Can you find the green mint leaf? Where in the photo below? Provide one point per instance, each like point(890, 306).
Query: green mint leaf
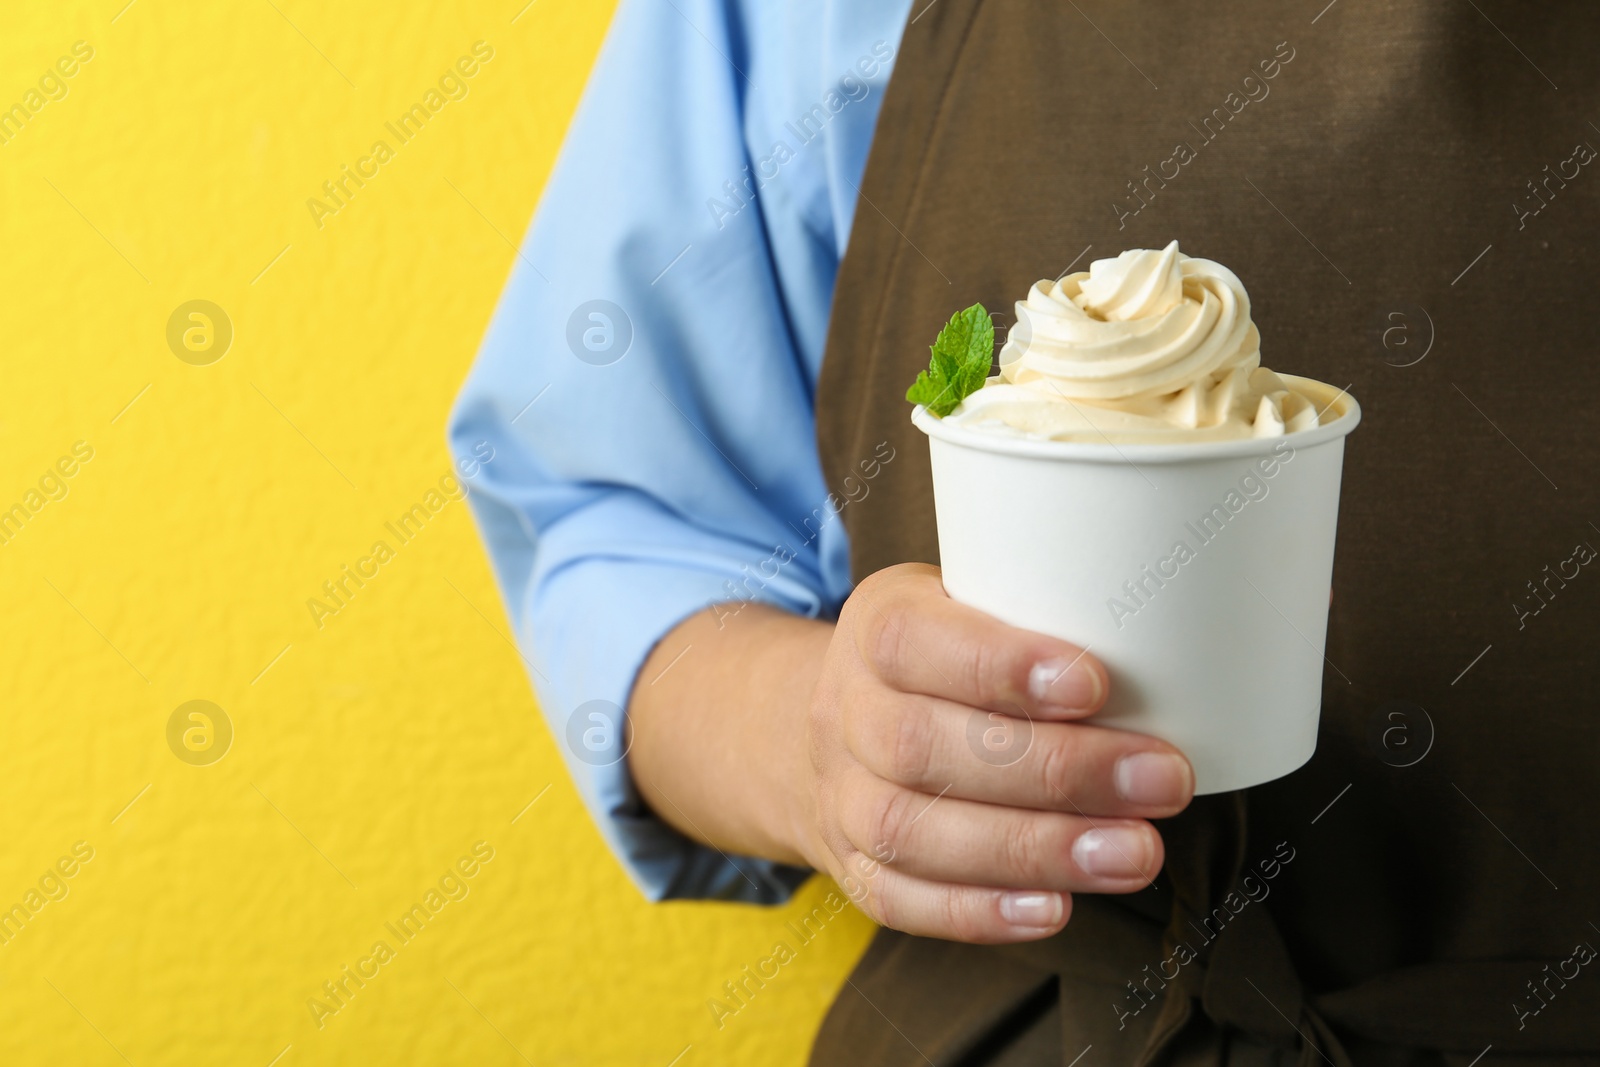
point(931, 392)
point(960, 361)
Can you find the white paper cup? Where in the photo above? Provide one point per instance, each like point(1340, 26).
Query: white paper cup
point(1218, 650)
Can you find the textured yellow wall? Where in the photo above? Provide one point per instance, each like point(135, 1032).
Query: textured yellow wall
point(370, 756)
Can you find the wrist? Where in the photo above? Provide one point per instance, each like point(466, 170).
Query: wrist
point(793, 822)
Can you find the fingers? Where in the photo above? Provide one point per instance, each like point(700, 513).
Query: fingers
point(962, 771)
point(917, 640)
point(933, 746)
point(975, 914)
point(941, 839)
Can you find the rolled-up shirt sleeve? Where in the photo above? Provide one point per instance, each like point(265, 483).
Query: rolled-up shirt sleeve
point(639, 424)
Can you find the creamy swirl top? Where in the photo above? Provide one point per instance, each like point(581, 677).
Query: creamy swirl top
point(1149, 346)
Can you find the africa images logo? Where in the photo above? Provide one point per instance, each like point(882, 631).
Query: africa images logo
point(1142, 588)
point(452, 85)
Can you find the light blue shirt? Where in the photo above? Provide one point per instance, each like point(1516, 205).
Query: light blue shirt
point(648, 381)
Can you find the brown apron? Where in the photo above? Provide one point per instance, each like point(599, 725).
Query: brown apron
point(1410, 194)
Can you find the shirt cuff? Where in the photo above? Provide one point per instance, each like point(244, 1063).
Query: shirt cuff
point(594, 622)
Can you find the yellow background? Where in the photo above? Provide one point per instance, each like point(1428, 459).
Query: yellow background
point(372, 753)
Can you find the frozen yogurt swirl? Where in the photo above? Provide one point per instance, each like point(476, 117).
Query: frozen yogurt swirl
point(1151, 345)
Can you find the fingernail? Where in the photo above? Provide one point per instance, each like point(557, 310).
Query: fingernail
point(1031, 909)
point(1067, 684)
point(1158, 779)
point(1114, 852)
